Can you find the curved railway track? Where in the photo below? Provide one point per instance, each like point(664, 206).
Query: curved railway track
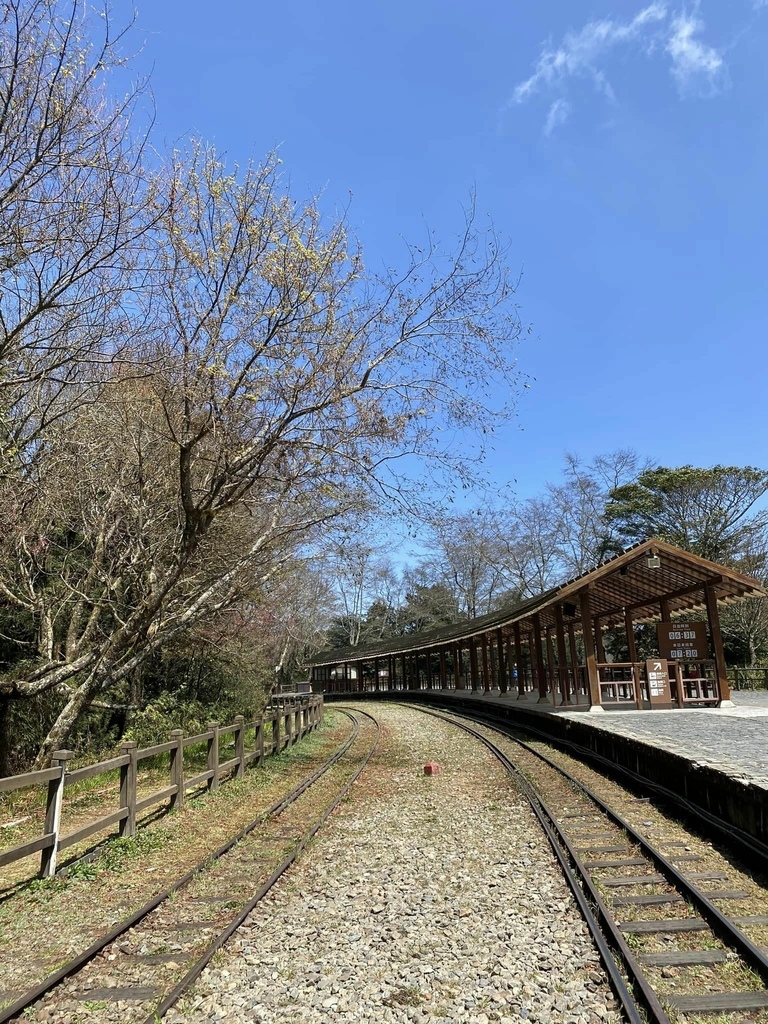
point(223, 881)
point(655, 924)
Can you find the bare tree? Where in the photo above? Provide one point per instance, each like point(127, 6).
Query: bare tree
point(74, 209)
point(284, 384)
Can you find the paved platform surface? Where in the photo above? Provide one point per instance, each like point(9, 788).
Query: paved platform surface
point(732, 740)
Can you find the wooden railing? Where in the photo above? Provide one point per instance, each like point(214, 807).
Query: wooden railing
point(620, 682)
point(290, 718)
point(748, 678)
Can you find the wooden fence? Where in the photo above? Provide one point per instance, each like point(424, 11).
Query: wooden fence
point(748, 678)
point(290, 718)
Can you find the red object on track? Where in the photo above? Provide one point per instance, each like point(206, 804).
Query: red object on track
point(431, 768)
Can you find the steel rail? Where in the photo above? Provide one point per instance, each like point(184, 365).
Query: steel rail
point(735, 837)
point(719, 922)
point(598, 923)
point(90, 952)
point(199, 966)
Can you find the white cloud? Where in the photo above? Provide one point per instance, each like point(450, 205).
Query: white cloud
point(558, 114)
point(653, 29)
point(693, 62)
point(579, 51)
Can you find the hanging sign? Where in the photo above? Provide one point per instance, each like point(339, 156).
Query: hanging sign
point(657, 674)
point(683, 641)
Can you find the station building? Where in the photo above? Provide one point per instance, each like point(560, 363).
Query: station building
point(550, 649)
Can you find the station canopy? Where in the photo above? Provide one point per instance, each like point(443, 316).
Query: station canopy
point(636, 581)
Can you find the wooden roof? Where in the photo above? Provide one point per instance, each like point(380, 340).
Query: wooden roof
point(623, 582)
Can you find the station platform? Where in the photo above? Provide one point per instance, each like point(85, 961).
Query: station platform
point(731, 740)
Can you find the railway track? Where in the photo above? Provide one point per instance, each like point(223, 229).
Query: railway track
point(149, 960)
point(673, 915)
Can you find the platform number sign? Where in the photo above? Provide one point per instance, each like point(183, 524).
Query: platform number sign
point(657, 674)
point(683, 641)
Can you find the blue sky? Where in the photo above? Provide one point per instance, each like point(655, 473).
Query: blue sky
point(620, 147)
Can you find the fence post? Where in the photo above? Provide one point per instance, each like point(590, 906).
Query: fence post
point(288, 728)
point(260, 741)
point(275, 732)
point(240, 746)
point(128, 773)
point(213, 755)
point(177, 769)
point(53, 813)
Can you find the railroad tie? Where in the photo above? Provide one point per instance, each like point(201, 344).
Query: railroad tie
point(186, 926)
point(680, 924)
point(134, 993)
point(602, 849)
point(159, 958)
point(683, 958)
point(630, 862)
point(723, 1002)
point(659, 900)
point(633, 880)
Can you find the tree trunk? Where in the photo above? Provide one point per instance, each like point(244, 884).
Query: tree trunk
point(6, 767)
point(61, 729)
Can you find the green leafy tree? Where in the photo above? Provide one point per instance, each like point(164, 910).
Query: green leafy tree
point(709, 512)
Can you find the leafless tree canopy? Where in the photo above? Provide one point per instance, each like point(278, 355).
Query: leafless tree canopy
point(197, 372)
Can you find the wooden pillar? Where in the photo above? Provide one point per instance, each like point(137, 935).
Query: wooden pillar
point(562, 660)
point(502, 677)
point(376, 675)
point(359, 680)
point(519, 661)
point(593, 678)
point(345, 678)
point(632, 647)
point(473, 663)
point(403, 673)
point(664, 610)
point(574, 661)
point(486, 669)
point(443, 670)
point(457, 666)
point(716, 640)
point(551, 669)
point(509, 679)
point(538, 658)
point(599, 649)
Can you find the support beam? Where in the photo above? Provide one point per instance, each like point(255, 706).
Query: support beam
point(443, 670)
point(574, 661)
point(562, 659)
point(473, 673)
point(716, 640)
point(457, 667)
point(552, 670)
point(593, 679)
point(599, 649)
point(629, 629)
point(519, 661)
point(538, 659)
point(486, 667)
point(501, 674)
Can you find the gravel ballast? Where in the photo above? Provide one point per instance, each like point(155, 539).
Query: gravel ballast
point(423, 898)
